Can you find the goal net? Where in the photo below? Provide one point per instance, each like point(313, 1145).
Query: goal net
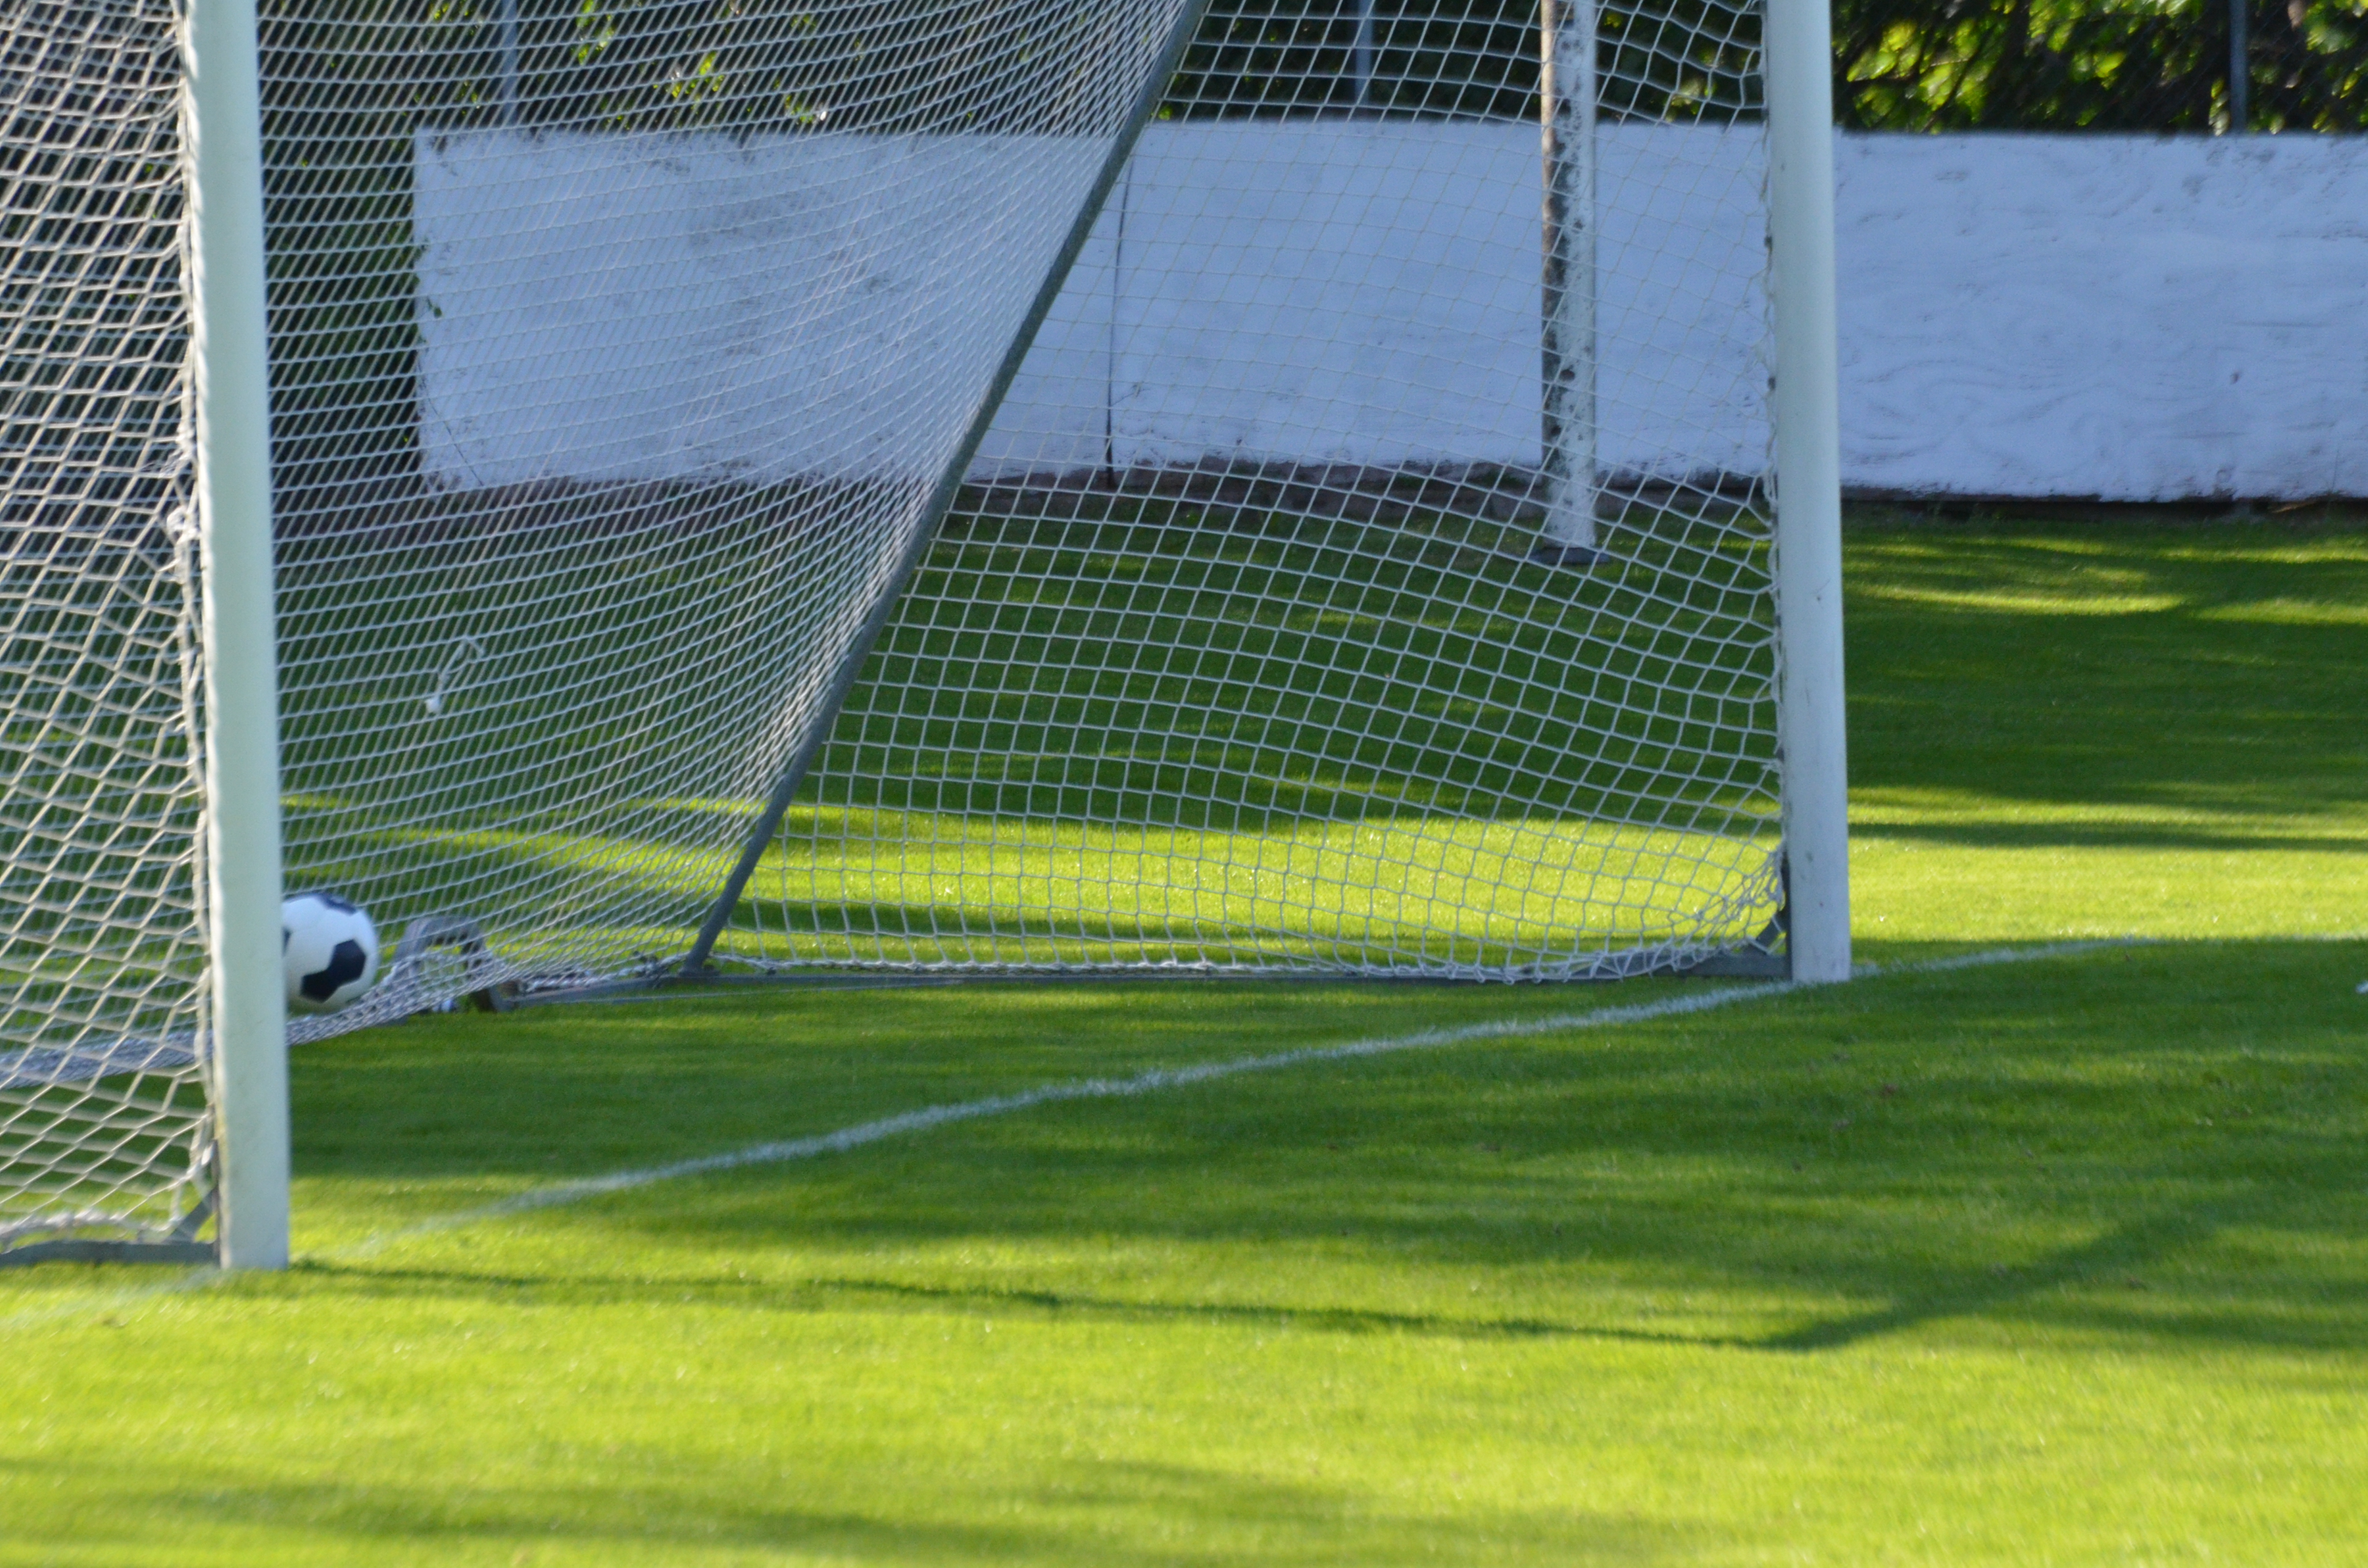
point(960, 485)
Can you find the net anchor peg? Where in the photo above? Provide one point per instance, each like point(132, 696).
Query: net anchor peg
point(430, 932)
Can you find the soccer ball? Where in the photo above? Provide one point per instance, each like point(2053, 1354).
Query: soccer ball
point(329, 949)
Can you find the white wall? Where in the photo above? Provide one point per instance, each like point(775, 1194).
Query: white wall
point(604, 307)
point(2136, 318)
point(1364, 293)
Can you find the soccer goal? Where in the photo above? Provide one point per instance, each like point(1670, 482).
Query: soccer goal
point(628, 490)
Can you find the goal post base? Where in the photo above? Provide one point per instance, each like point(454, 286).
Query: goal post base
point(179, 1246)
point(1569, 557)
point(1751, 962)
point(1768, 956)
point(480, 991)
point(183, 1253)
point(1761, 958)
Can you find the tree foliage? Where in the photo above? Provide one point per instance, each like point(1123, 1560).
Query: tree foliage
point(2096, 64)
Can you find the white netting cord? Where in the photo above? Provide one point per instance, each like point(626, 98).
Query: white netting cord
point(564, 583)
point(613, 384)
point(1247, 657)
point(621, 354)
point(102, 1123)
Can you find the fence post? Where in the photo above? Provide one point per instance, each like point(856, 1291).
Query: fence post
point(1362, 54)
point(1566, 102)
point(509, 87)
point(2240, 75)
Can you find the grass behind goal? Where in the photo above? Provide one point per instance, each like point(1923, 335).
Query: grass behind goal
point(1157, 733)
point(2057, 1261)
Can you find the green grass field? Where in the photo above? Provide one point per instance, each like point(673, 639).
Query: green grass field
point(1165, 732)
point(2060, 1260)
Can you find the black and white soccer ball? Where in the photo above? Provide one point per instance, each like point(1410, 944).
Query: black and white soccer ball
point(330, 950)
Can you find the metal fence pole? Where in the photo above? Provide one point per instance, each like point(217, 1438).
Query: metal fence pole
point(2240, 75)
point(509, 61)
point(1566, 95)
point(1361, 62)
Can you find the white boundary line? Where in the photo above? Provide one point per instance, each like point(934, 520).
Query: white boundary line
point(1152, 1080)
point(1156, 1079)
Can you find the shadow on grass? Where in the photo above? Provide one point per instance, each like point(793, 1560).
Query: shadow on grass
point(835, 1293)
point(2159, 1141)
point(2112, 1263)
point(1972, 1292)
point(2144, 663)
point(578, 907)
point(2212, 668)
point(2101, 836)
point(1094, 1513)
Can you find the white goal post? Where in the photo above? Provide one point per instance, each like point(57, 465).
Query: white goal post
point(1808, 416)
point(1218, 487)
point(232, 396)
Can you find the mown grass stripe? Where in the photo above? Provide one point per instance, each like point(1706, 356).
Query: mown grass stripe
point(1154, 1080)
point(1151, 1081)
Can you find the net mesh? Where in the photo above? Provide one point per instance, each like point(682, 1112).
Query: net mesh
point(1366, 572)
point(1258, 642)
point(101, 959)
